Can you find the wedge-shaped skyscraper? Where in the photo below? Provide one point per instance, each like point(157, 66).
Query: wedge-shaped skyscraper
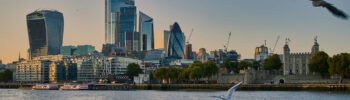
point(146, 29)
point(45, 32)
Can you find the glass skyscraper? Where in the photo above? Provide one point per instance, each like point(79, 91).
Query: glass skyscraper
point(132, 41)
point(176, 43)
point(45, 31)
point(146, 29)
point(127, 23)
point(120, 17)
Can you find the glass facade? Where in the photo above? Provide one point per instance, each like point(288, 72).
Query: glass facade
point(120, 17)
point(45, 31)
point(79, 50)
point(166, 40)
point(146, 29)
point(68, 50)
point(132, 41)
point(127, 23)
point(176, 43)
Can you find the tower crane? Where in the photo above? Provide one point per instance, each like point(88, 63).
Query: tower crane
point(189, 37)
point(228, 41)
point(274, 47)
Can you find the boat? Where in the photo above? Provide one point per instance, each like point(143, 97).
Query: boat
point(45, 87)
point(70, 86)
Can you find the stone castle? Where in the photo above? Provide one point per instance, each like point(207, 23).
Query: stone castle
point(297, 63)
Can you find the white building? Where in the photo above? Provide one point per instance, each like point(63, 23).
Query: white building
point(142, 78)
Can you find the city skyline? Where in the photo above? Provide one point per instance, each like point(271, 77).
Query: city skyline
point(251, 26)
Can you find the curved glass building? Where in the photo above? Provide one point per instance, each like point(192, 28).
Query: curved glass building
point(146, 29)
point(45, 32)
point(176, 43)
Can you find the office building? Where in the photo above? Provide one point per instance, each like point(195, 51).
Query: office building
point(45, 31)
point(92, 68)
point(261, 53)
point(176, 43)
point(33, 71)
point(166, 40)
point(119, 65)
point(120, 17)
point(147, 31)
point(57, 72)
point(132, 41)
point(77, 50)
point(188, 54)
point(153, 58)
point(202, 56)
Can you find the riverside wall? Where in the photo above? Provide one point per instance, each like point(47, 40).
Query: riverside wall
point(266, 77)
point(200, 87)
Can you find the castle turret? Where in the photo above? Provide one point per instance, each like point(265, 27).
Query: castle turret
point(286, 53)
point(315, 47)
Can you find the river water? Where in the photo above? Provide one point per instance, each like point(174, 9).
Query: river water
point(15, 94)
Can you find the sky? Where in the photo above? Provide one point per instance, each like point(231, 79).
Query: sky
point(250, 21)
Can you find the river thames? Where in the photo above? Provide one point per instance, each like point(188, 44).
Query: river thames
point(15, 94)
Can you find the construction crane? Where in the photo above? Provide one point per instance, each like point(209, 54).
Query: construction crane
point(274, 47)
point(189, 37)
point(228, 42)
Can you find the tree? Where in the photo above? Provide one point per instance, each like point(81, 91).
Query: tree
point(196, 73)
point(318, 63)
point(339, 65)
point(160, 73)
point(133, 70)
point(185, 74)
point(6, 76)
point(168, 74)
point(172, 73)
point(210, 69)
point(272, 62)
point(230, 66)
point(255, 65)
point(244, 65)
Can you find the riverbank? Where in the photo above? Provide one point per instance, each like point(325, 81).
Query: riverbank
point(247, 87)
point(194, 87)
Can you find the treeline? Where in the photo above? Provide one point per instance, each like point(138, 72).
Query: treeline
point(330, 66)
point(237, 66)
point(6, 76)
point(196, 71)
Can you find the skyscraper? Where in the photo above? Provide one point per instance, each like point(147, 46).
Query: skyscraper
point(127, 23)
point(120, 17)
point(146, 29)
point(45, 31)
point(132, 41)
point(176, 43)
point(166, 40)
point(188, 51)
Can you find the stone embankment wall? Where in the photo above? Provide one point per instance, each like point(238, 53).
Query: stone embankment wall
point(265, 77)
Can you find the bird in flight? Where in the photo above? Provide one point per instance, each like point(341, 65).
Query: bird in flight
point(335, 11)
point(229, 92)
